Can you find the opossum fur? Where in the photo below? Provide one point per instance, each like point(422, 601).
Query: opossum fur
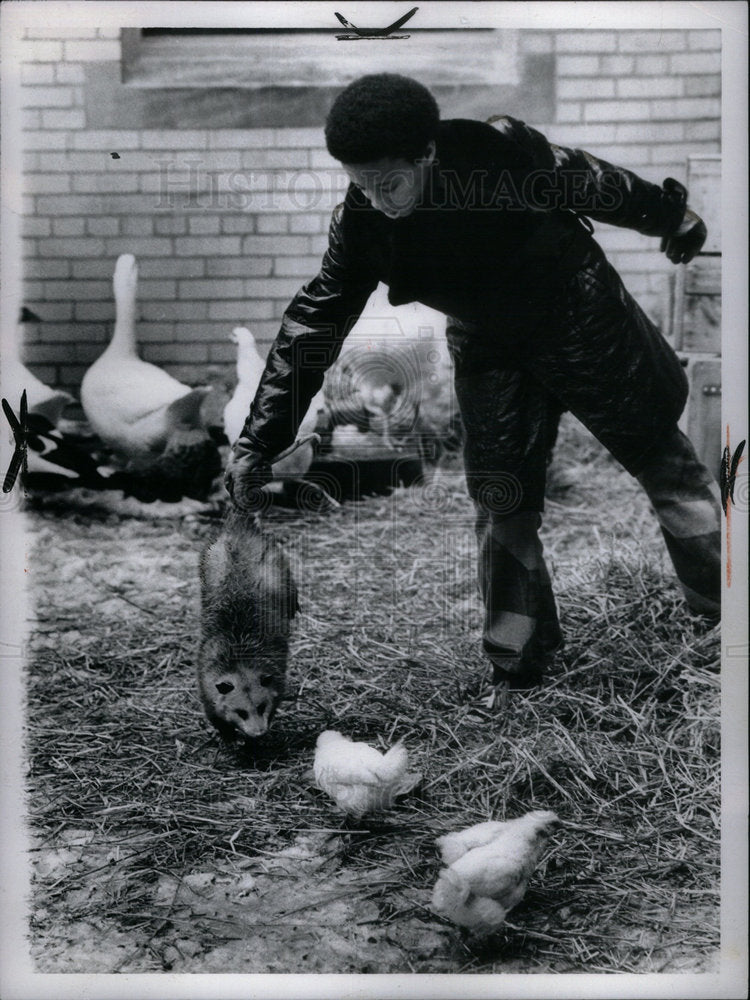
point(248, 599)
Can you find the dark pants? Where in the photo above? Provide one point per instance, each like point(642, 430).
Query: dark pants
point(600, 357)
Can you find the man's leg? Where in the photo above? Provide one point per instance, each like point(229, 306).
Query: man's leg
point(509, 424)
point(610, 366)
point(685, 497)
point(521, 628)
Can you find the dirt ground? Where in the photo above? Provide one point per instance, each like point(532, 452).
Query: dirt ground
point(108, 572)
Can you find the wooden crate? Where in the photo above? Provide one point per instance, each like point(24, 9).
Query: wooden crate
point(701, 419)
point(696, 315)
point(704, 196)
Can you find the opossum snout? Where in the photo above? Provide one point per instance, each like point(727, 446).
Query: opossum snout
point(242, 701)
point(254, 725)
point(251, 725)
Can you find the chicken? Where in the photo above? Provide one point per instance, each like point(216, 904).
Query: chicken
point(250, 367)
point(455, 845)
point(150, 420)
point(379, 400)
point(186, 466)
point(489, 868)
point(375, 391)
point(220, 388)
point(299, 461)
point(359, 778)
point(396, 364)
point(350, 443)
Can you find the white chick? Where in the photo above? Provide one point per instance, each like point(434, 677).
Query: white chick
point(454, 845)
point(487, 878)
point(359, 778)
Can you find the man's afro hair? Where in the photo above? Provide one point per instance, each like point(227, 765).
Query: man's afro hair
point(381, 115)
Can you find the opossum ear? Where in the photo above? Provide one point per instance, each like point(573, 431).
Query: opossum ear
point(224, 687)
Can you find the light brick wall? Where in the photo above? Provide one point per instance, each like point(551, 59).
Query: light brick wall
point(226, 224)
point(644, 100)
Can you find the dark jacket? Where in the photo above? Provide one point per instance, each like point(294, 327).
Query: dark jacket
point(493, 243)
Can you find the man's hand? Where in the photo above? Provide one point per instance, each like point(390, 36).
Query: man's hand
point(246, 473)
point(686, 241)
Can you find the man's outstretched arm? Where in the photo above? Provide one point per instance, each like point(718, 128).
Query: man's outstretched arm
point(590, 186)
point(312, 333)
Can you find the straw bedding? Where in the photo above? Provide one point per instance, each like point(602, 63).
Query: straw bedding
point(157, 847)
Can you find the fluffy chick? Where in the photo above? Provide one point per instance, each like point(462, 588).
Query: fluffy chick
point(359, 778)
point(489, 870)
point(455, 845)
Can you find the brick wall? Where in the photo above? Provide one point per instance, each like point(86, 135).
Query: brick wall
point(227, 223)
point(645, 100)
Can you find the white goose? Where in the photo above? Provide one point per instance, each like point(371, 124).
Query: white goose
point(16, 377)
point(143, 414)
point(128, 401)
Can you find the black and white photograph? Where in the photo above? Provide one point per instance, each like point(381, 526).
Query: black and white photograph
point(374, 499)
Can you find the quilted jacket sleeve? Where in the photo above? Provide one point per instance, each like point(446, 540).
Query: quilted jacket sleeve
point(572, 179)
point(312, 332)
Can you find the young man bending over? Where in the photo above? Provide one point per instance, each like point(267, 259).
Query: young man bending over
point(488, 224)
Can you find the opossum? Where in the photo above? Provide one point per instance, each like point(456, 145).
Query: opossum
point(248, 599)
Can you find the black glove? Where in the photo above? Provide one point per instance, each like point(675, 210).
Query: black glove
point(686, 241)
point(246, 473)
